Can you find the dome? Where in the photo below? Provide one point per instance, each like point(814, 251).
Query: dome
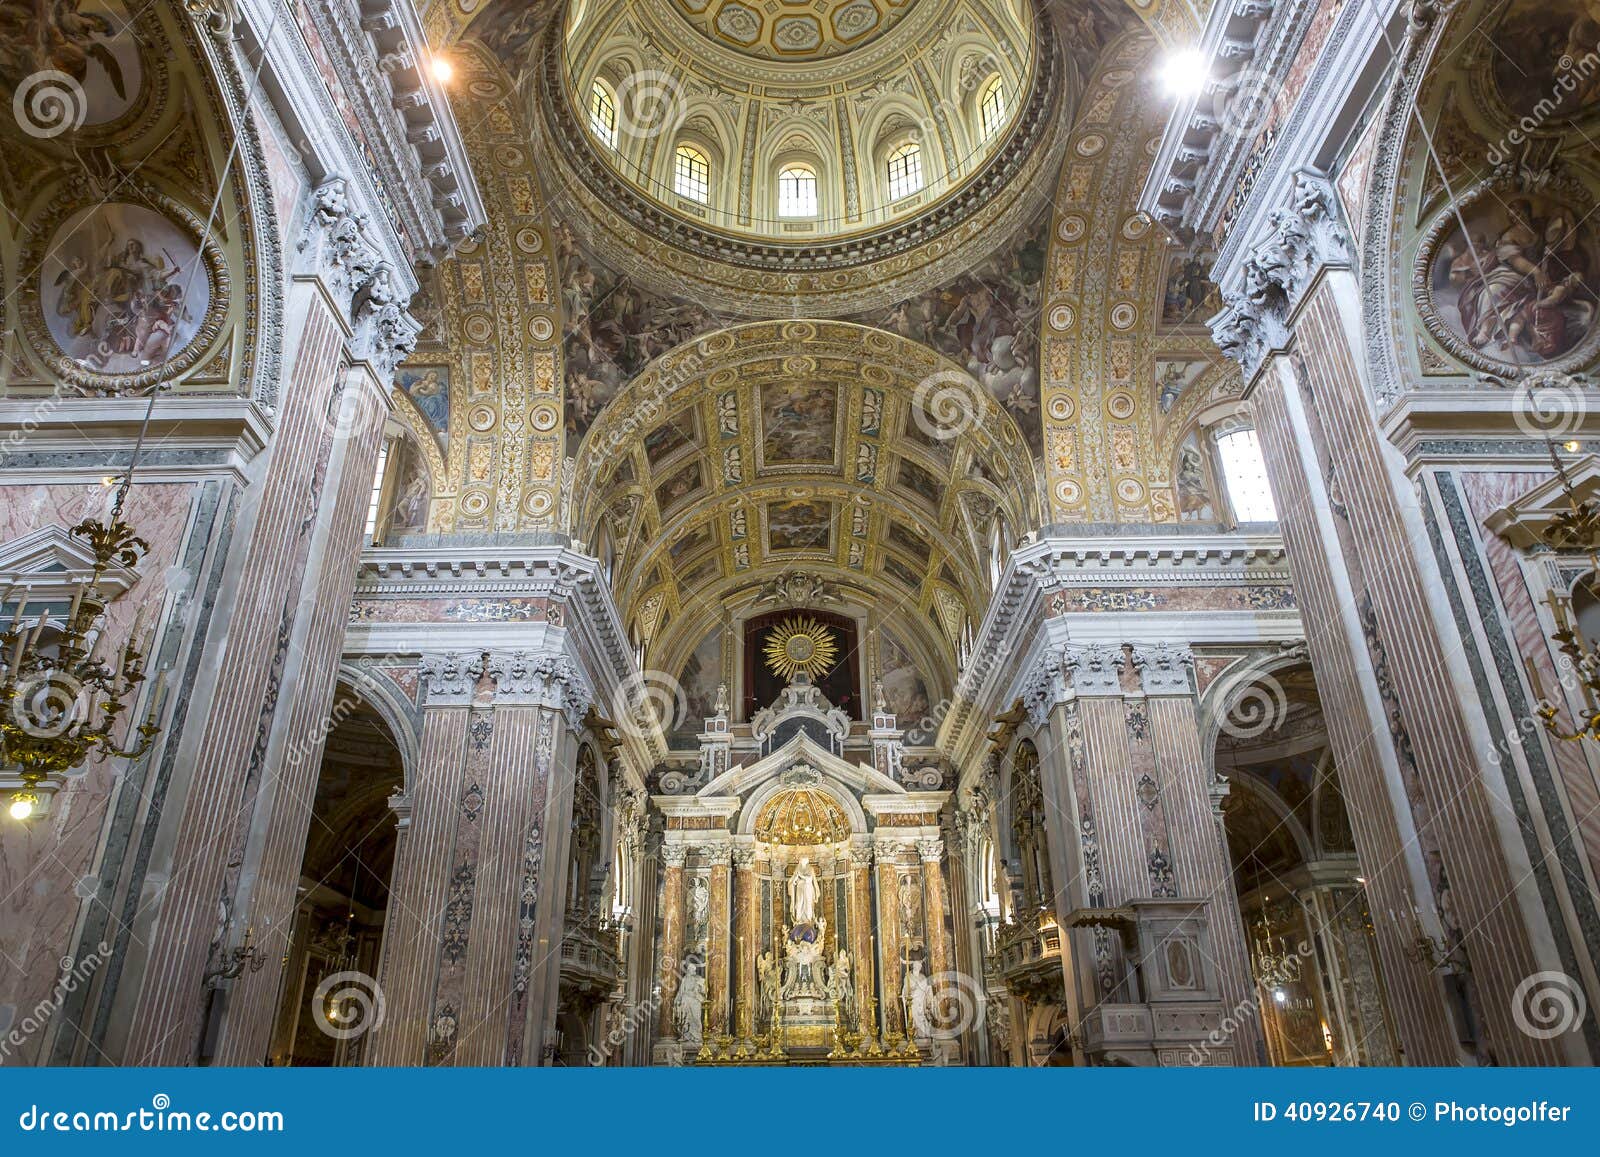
point(795, 32)
point(796, 123)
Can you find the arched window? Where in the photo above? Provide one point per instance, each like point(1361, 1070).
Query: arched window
point(691, 174)
point(1244, 471)
point(603, 114)
point(992, 108)
point(905, 170)
point(797, 191)
point(375, 502)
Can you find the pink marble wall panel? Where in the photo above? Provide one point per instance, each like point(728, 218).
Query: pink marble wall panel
point(47, 865)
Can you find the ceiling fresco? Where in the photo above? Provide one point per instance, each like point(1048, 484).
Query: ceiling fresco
point(1083, 326)
point(797, 445)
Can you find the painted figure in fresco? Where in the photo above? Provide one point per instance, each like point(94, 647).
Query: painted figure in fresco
point(123, 302)
point(1528, 291)
point(39, 35)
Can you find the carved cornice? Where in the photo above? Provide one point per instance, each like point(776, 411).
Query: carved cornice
point(530, 574)
point(380, 58)
point(1211, 150)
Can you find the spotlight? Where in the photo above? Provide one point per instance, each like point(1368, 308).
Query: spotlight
point(1279, 995)
point(1183, 73)
point(1572, 447)
point(22, 805)
point(442, 69)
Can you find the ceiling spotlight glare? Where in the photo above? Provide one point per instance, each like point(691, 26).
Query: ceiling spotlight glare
point(22, 805)
point(1183, 73)
point(442, 69)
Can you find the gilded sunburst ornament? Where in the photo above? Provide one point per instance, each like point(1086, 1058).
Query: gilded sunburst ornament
point(801, 645)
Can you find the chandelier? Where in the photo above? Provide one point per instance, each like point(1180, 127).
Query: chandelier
point(1575, 529)
point(1276, 967)
point(797, 645)
point(60, 703)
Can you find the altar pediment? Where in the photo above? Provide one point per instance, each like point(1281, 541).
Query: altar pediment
point(740, 793)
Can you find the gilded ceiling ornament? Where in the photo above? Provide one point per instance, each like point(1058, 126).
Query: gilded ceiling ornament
point(797, 590)
point(797, 645)
point(802, 816)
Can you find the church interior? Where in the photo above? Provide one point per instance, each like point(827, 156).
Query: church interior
point(701, 533)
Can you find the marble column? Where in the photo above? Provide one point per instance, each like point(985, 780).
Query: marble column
point(933, 905)
point(891, 971)
point(1462, 914)
point(718, 988)
point(242, 818)
point(564, 697)
point(1197, 844)
point(420, 885)
point(745, 946)
point(670, 963)
point(862, 926)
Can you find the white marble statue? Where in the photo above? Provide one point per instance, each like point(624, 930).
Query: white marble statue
point(688, 1006)
point(917, 993)
point(841, 987)
point(767, 985)
point(803, 893)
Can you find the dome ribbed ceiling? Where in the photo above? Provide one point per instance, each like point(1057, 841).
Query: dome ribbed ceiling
point(796, 30)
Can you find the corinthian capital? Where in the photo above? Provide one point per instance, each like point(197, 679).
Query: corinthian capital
point(541, 679)
point(448, 680)
point(1164, 668)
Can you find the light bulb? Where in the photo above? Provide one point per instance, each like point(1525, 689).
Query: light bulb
point(1280, 996)
point(442, 69)
point(22, 805)
point(1572, 447)
point(1183, 73)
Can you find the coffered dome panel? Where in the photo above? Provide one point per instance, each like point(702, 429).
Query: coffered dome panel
point(795, 30)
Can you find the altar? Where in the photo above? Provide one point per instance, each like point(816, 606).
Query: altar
point(803, 909)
